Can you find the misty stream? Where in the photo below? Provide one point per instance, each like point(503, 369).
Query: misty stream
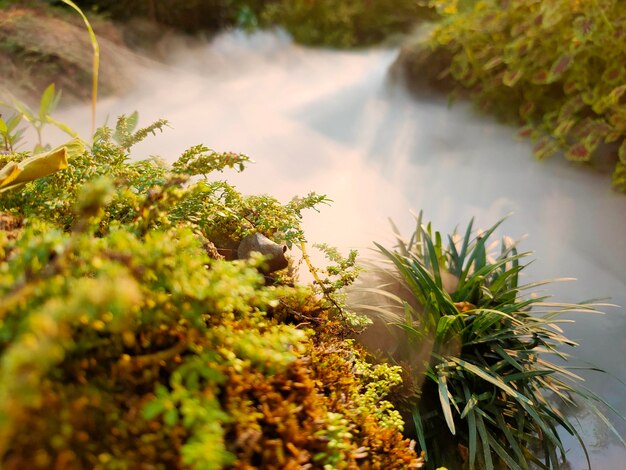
point(329, 122)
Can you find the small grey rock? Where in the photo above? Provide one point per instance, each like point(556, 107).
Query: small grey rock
point(274, 252)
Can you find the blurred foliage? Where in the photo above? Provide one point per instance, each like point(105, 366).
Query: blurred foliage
point(554, 66)
point(343, 23)
point(337, 23)
point(128, 341)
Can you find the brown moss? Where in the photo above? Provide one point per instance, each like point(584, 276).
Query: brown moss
point(278, 418)
point(10, 224)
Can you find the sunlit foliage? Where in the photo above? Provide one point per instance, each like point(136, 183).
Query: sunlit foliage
point(554, 66)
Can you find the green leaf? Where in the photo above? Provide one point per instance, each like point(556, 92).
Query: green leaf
point(471, 423)
point(3, 126)
point(560, 66)
point(622, 151)
point(584, 28)
point(511, 463)
point(152, 409)
point(578, 152)
point(13, 122)
point(419, 428)
point(545, 147)
point(433, 258)
point(513, 443)
point(464, 250)
point(64, 127)
point(47, 102)
point(493, 63)
point(494, 380)
point(25, 111)
point(444, 399)
point(171, 417)
point(484, 439)
point(444, 325)
point(132, 121)
point(511, 77)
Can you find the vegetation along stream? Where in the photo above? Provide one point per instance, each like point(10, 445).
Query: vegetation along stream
point(340, 123)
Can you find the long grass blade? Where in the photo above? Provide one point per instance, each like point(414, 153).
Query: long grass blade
point(432, 258)
point(444, 399)
point(96, 62)
point(491, 379)
point(419, 429)
point(471, 424)
point(484, 438)
point(511, 440)
point(510, 462)
point(464, 250)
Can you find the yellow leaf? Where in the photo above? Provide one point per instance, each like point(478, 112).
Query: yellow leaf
point(14, 175)
point(8, 173)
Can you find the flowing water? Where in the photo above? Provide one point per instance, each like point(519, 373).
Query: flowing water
point(327, 121)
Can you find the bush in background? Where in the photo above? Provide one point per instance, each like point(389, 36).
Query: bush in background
point(341, 23)
point(553, 66)
point(337, 23)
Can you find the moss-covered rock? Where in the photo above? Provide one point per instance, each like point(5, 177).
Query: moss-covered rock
point(126, 343)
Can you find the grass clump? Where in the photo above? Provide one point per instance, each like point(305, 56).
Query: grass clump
point(490, 381)
point(554, 67)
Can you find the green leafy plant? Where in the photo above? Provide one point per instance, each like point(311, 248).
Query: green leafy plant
point(10, 134)
point(335, 23)
point(121, 322)
point(37, 119)
point(489, 378)
point(552, 66)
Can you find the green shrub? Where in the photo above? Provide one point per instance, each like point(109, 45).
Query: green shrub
point(554, 66)
point(341, 23)
point(489, 380)
point(128, 341)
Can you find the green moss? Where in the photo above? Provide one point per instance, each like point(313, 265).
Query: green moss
point(125, 341)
